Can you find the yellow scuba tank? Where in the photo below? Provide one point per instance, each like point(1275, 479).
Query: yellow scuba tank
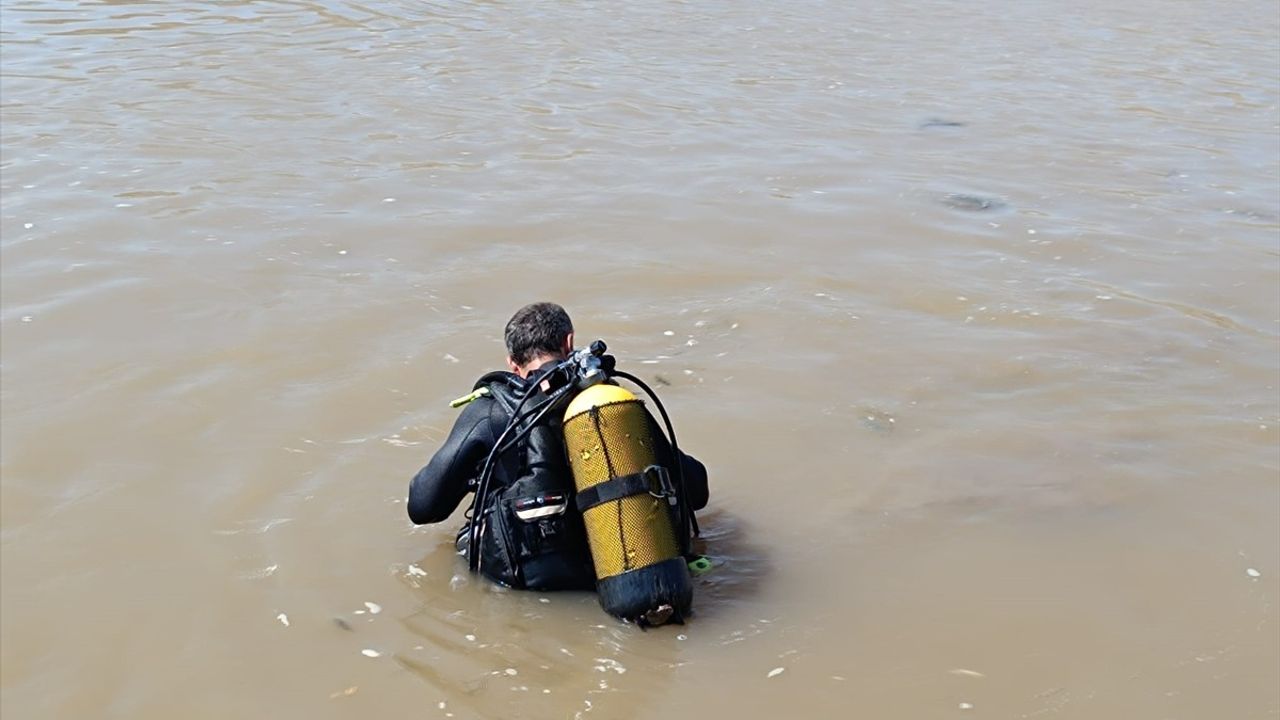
point(627, 501)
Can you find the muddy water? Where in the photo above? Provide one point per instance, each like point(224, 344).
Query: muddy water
point(972, 311)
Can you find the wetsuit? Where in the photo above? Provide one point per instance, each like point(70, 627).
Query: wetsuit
point(551, 554)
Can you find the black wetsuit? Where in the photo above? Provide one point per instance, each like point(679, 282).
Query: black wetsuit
point(539, 463)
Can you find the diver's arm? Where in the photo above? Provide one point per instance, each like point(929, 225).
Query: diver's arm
point(694, 472)
point(438, 488)
point(695, 481)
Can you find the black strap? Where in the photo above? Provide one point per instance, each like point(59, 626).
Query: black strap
point(652, 481)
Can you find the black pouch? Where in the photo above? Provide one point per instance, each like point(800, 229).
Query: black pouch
point(533, 537)
point(536, 540)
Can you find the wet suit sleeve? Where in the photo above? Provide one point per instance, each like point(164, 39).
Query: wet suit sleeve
point(438, 488)
point(695, 473)
point(695, 481)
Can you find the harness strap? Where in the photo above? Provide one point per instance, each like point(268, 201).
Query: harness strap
point(653, 480)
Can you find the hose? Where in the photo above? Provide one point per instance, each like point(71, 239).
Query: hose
point(690, 522)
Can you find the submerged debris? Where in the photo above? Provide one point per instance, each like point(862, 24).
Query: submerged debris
point(971, 203)
point(934, 122)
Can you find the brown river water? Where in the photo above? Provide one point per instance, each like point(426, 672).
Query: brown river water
point(972, 310)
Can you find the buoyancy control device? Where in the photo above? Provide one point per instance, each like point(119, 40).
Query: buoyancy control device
point(534, 539)
point(629, 507)
point(637, 521)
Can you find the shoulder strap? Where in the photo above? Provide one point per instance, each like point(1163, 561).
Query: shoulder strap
point(506, 387)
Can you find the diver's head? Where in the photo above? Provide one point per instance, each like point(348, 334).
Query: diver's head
point(538, 334)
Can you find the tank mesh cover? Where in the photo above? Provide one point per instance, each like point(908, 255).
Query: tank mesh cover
point(603, 443)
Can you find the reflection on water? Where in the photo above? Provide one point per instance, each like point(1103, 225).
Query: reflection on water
point(740, 566)
point(491, 652)
point(971, 314)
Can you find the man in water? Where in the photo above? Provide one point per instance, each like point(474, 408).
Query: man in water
point(551, 554)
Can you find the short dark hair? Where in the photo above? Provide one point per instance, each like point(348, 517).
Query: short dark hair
point(536, 329)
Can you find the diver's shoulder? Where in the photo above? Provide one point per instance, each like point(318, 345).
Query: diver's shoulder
point(502, 378)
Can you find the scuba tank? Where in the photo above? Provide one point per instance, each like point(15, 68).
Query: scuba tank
point(628, 505)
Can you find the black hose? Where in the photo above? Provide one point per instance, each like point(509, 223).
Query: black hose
point(482, 483)
point(499, 447)
point(541, 411)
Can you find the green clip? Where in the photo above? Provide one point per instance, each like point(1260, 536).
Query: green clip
point(468, 398)
point(700, 565)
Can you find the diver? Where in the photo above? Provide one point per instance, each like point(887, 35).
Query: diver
point(525, 528)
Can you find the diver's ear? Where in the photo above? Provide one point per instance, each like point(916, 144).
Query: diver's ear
point(568, 344)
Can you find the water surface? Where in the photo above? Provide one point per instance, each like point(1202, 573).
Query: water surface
point(972, 312)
